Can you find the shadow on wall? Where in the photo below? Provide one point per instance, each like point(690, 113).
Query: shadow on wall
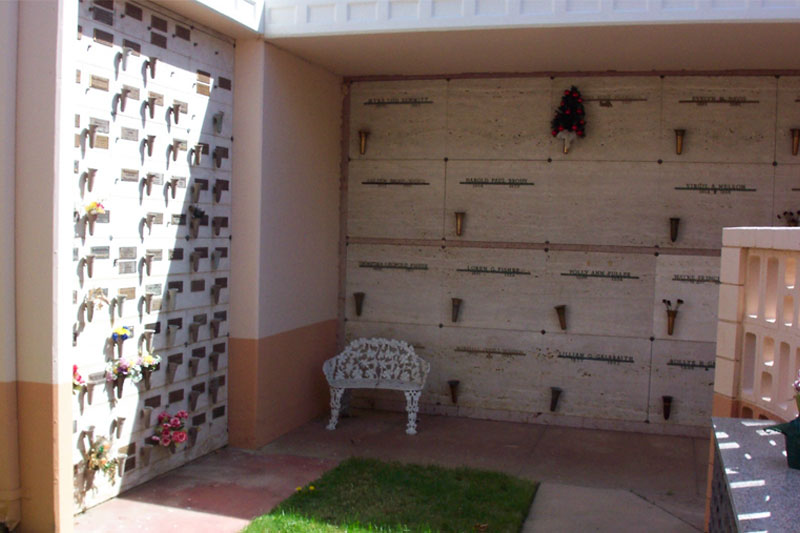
point(152, 240)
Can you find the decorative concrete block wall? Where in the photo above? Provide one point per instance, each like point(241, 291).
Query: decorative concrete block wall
point(591, 229)
point(153, 108)
point(758, 344)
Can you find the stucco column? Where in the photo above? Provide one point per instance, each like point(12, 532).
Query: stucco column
point(43, 226)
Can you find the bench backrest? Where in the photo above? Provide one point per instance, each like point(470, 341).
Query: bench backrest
point(377, 363)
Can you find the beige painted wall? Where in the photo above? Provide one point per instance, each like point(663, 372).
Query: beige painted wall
point(286, 225)
point(9, 451)
point(43, 225)
point(299, 199)
point(284, 257)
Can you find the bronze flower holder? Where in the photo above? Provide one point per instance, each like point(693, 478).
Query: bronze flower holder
point(674, 222)
point(679, 135)
point(561, 310)
point(666, 401)
point(359, 299)
point(455, 308)
point(453, 384)
point(555, 394)
point(460, 222)
point(362, 141)
point(795, 140)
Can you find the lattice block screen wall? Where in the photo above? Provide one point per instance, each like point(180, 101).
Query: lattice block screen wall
point(591, 230)
point(770, 345)
point(153, 107)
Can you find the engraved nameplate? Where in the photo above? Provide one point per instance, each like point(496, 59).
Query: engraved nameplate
point(218, 412)
point(74, 254)
point(687, 278)
point(155, 288)
point(412, 101)
point(603, 274)
point(179, 220)
point(101, 141)
point(127, 252)
point(184, 107)
point(158, 23)
point(603, 358)
point(222, 282)
point(606, 101)
point(201, 351)
point(223, 252)
point(103, 16)
point(203, 77)
point(175, 285)
point(159, 98)
point(688, 364)
point(102, 125)
point(134, 46)
point(477, 270)
point(98, 82)
point(198, 285)
point(101, 252)
point(128, 292)
point(202, 252)
point(200, 319)
point(133, 92)
point(715, 188)
point(730, 100)
point(129, 134)
point(158, 254)
point(158, 40)
point(404, 182)
point(182, 32)
point(224, 83)
point(104, 218)
point(103, 37)
point(158, 218)
point(379, 265)
point(128, 174)
point(489, 351)
point(176, 254)
point(512, 183)
point(127, 267)
point(221, 315)
point(133, 11)
point(219, 348)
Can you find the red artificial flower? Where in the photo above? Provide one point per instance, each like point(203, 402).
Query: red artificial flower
point(566, 93)
point(561, 128)
point(554, 132)
point(574, 128)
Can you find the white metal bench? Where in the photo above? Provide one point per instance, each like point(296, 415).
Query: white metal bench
point(377, 364)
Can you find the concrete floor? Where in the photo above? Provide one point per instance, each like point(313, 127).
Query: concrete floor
point(642, 481)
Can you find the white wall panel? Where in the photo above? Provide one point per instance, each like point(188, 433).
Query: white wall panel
point(396, 199)
point(122, 239)
point(405, 120)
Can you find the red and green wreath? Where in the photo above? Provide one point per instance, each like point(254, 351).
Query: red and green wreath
point(570, 120)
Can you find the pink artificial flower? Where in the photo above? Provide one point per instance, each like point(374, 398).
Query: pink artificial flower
point(182, 414)
point(179, 436)
point(175, 422)
point(155, 438)
point(163, 416)
point(165, 440)
point(166, 430)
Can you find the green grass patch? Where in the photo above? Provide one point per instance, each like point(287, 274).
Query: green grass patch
point(363, 495)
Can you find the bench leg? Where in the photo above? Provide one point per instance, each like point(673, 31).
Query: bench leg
point(412, 407)
point(336, 404)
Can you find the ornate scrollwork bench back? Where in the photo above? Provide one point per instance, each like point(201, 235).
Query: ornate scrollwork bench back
point(377, 364)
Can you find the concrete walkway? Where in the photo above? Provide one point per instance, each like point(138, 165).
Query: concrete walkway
point(591, 480)
point(571, 508)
